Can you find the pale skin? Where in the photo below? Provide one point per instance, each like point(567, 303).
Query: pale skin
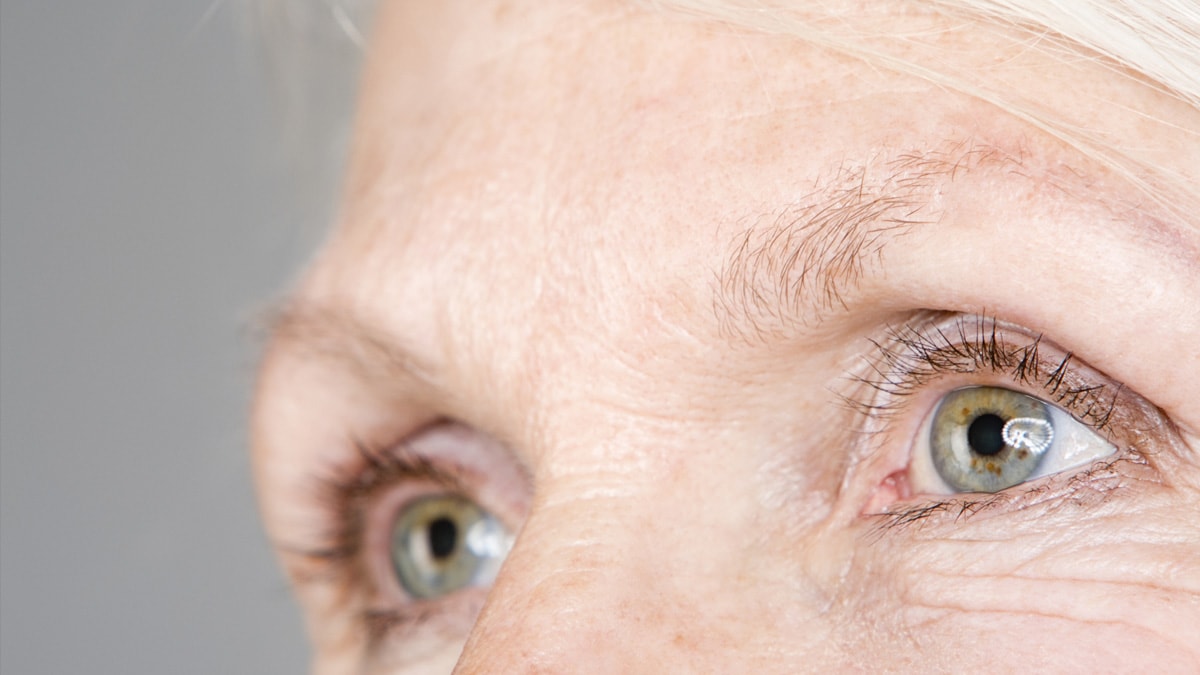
point(584, 260)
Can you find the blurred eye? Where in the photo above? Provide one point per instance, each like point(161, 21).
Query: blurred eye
point(445, 543)
point(987, 439)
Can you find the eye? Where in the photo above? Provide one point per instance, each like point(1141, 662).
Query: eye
point(445, 543)
point(960, 404)
point(987, 439)
point(412, 534)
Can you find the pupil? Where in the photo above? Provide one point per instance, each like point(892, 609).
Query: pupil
point(443, 535)
point(986, 435)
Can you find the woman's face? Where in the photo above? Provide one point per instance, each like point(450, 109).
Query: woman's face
point(747, 355)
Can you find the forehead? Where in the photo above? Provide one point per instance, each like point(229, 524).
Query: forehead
point(556, 142)
point(546, 181)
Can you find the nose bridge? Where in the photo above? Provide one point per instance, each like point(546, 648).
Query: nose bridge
point(592, 585)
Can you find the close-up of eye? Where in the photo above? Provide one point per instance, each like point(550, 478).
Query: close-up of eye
point(414, 534)
point(986, 439)
point(445, 543)
point(988, 407)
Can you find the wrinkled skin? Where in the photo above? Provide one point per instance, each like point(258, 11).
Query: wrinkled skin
point(565, 230)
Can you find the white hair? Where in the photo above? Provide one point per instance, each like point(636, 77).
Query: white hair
point(312, 50)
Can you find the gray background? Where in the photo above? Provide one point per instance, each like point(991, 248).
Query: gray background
point(150, 207)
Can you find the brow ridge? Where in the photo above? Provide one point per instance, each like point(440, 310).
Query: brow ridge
point(801, 262)
point(336, 335)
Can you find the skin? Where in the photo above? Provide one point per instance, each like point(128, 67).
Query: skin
point(542, 208)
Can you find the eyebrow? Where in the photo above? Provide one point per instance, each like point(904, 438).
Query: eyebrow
point(336, 335)
point(808, 257)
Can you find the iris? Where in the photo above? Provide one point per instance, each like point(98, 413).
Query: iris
point(986, 439)
point(445, 543)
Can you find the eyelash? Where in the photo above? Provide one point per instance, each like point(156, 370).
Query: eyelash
point(931, 346)
point(918, 352)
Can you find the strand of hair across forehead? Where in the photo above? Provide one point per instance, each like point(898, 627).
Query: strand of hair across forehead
point(347, 17)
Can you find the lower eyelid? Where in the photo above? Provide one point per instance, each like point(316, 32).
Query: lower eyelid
point(404, 635)
point(1086, 488)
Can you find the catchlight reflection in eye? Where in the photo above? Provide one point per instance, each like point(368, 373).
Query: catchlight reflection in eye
point(446, 543)
point(987, 439)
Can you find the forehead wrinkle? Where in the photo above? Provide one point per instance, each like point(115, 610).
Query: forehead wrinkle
point(804, 261)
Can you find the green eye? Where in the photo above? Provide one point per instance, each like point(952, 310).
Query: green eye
point(986, 439)
point(446, 543)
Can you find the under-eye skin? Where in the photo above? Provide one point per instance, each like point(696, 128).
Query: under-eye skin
point(976, 409)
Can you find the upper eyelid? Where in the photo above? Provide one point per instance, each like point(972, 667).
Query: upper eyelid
point(382, 466)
